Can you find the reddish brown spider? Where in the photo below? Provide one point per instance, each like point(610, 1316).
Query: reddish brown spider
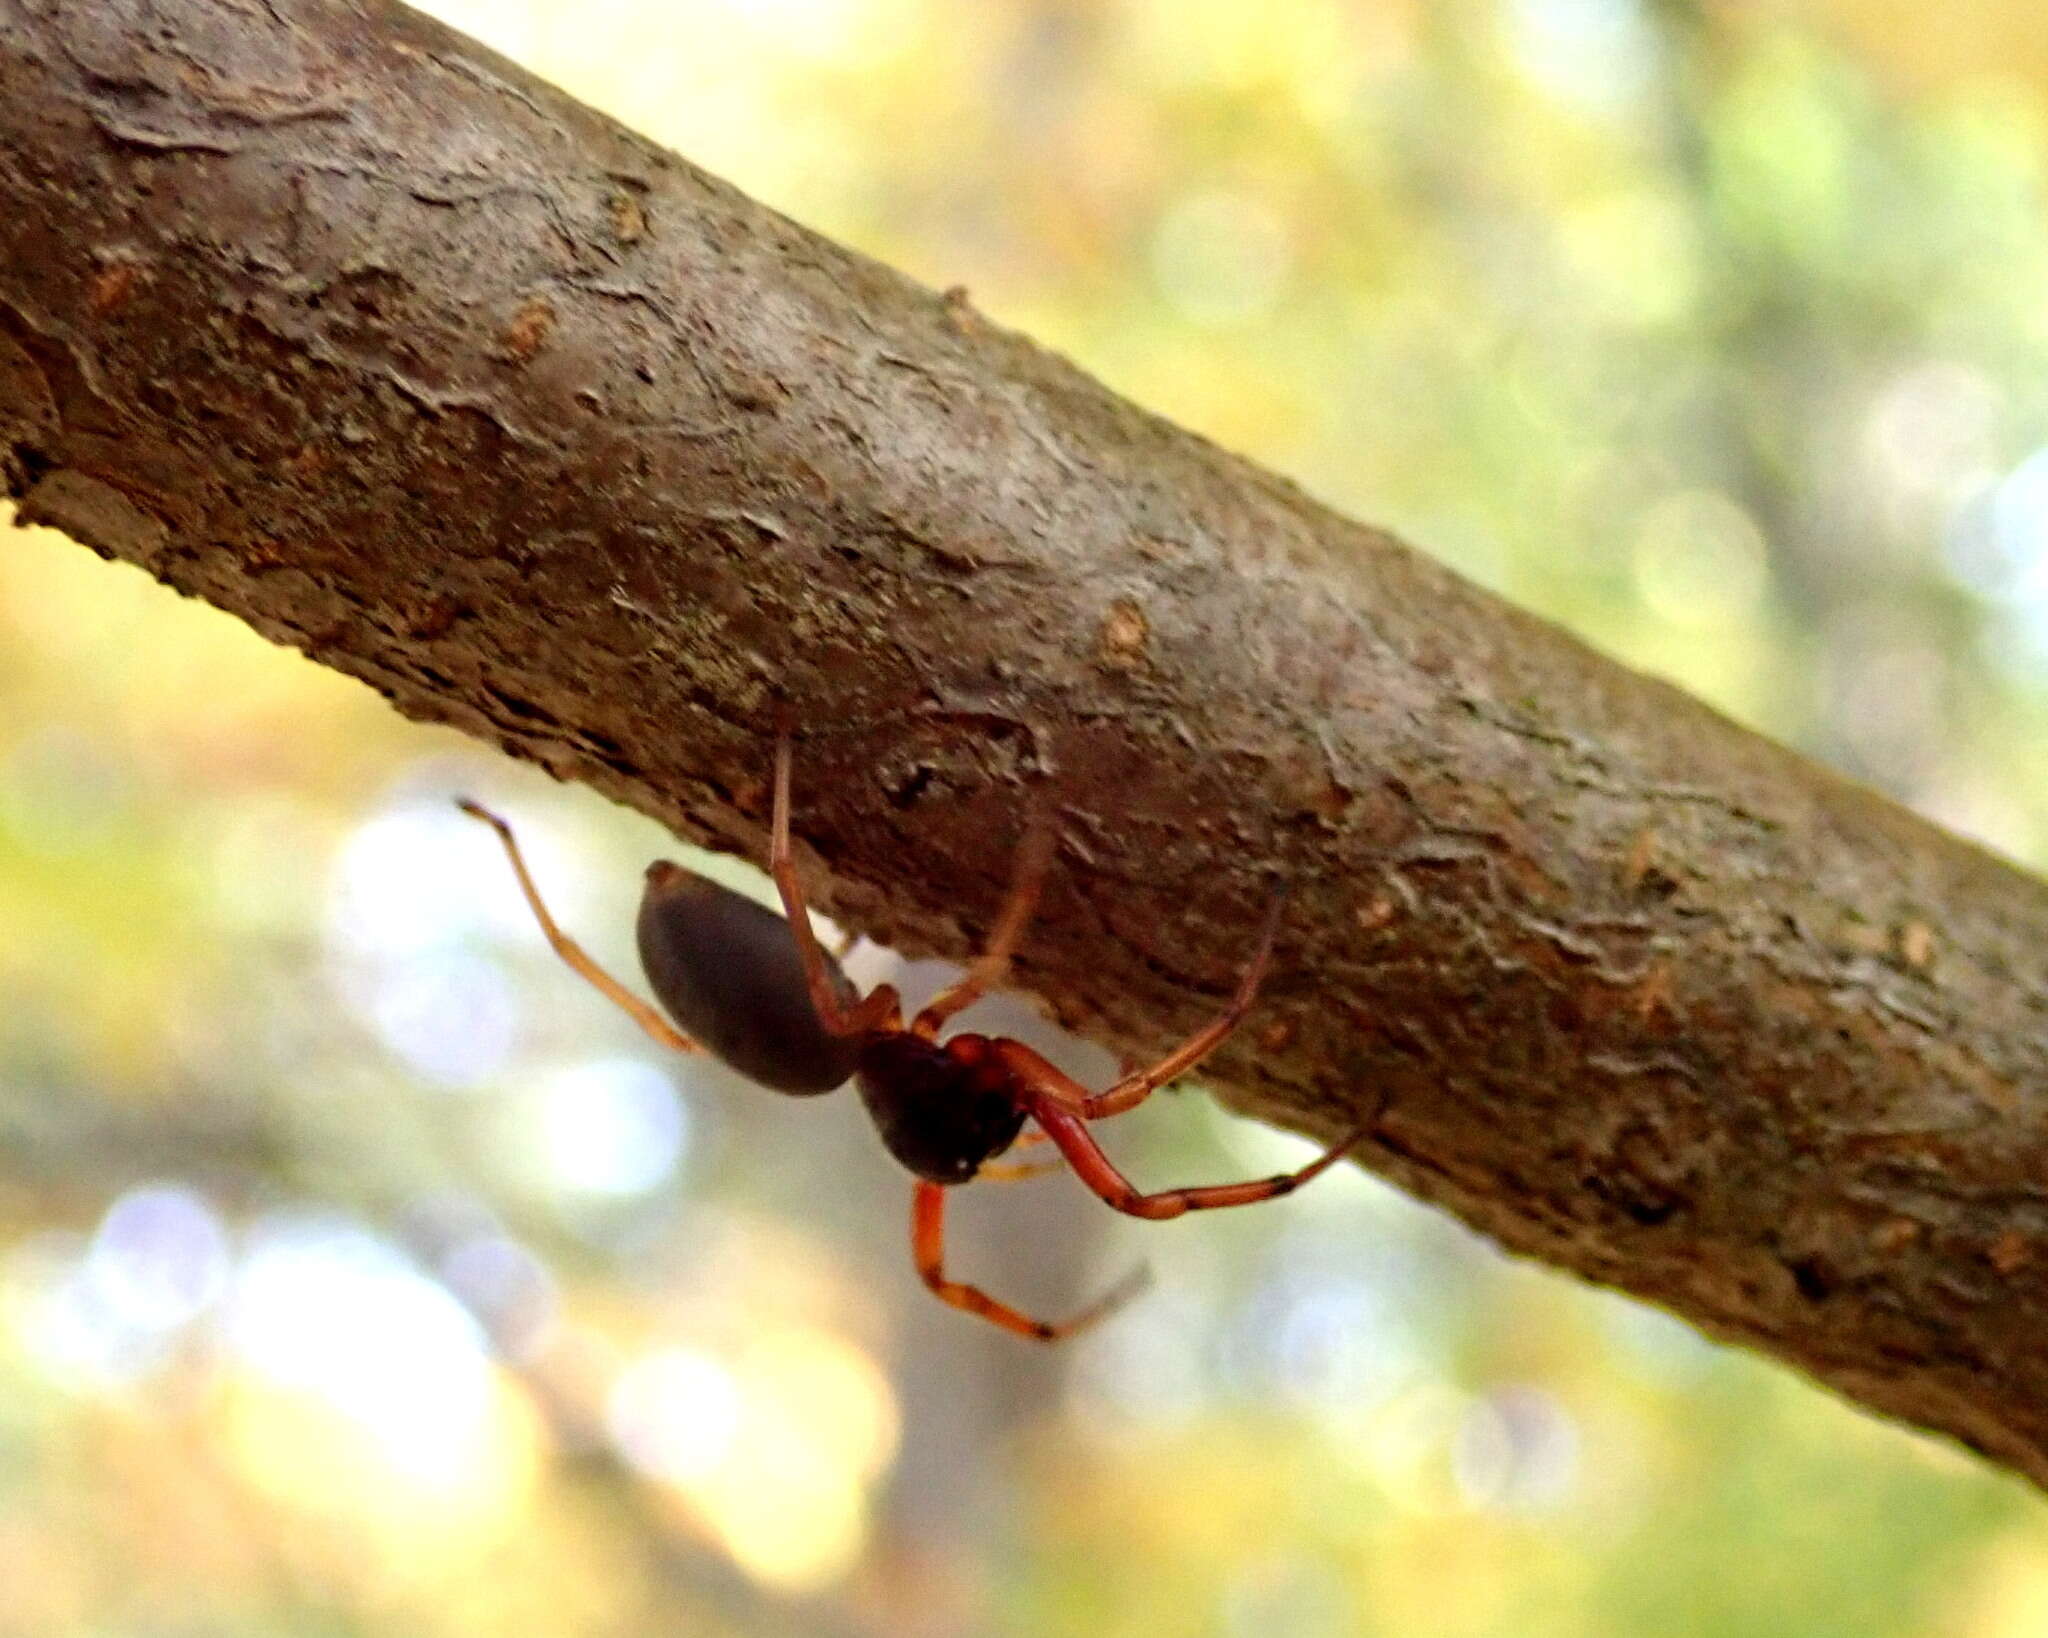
point(779, 1010)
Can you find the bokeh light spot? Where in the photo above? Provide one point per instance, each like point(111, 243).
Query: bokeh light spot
point(1699, 559)
point(159, 1257)
point(608, 1127)
point(329, 1310)
point(675, 1414)
point(1595, 54)
point(1515, 1449)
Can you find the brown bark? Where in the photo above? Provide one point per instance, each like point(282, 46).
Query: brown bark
point(321, 313)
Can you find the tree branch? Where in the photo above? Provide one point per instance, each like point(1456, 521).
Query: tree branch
point(324, 314)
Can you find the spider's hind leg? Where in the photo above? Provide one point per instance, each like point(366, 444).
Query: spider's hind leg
point(578, 959)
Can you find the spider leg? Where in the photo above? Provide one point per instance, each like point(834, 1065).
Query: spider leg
point(1094, 1168)
point(663, 1032)
point(1039, 1076)
point(1015, 1171)
point(1134, 1089)
point(1033, 1074)
point(928, 1246)
point(839, 1019)
point(1034, 854)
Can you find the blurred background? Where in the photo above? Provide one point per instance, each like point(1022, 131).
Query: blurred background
point(362, 1272)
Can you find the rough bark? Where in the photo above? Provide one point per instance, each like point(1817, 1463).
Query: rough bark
point(326, 315)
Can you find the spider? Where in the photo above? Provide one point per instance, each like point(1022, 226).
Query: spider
point(759, 992)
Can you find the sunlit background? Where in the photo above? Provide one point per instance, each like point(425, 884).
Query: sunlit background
point(362, 1273)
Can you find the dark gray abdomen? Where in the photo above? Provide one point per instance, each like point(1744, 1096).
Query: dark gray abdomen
point(727, 971)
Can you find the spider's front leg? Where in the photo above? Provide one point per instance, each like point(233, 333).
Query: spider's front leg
point(1034, 854)
point(1133, 1089)
point(1095, 1169)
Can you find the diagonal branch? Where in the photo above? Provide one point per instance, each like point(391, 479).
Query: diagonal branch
point(321, 313)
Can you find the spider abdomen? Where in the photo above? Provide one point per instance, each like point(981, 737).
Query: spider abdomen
point(942, 1110)
point(729, 972)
